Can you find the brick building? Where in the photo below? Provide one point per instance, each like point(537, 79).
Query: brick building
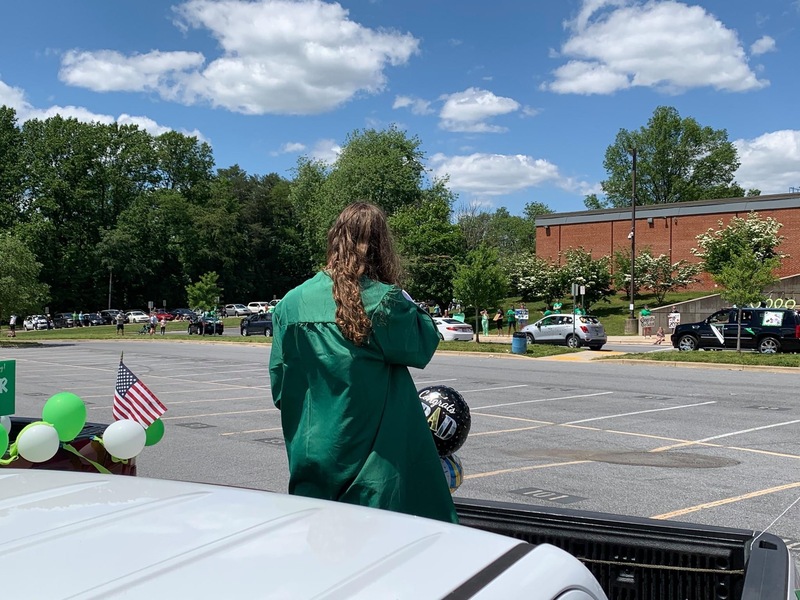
point(669, 229)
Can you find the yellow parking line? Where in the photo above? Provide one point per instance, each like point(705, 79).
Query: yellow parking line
point(530, 468)
point(251, 431)
point(507, 430)
point(715, 503)
point(219, 414)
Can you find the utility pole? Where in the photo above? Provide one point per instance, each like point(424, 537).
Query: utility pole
point(110, 271)
point(631, 327)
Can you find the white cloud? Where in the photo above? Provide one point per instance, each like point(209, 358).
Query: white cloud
point(467, 111)
point(617, 44)
point(770, 162)
point(762, 46)
point(498, 174)
point(15, 98)
point(108, 70)
point(277, 57)
point(290, 147)
point(326, 150)
point(418, 106)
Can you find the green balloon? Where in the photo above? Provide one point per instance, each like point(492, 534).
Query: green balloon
point(67, 413)
point(154, 433)
point(3, 441)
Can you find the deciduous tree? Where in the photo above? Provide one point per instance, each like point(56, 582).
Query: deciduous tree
point(480, 282)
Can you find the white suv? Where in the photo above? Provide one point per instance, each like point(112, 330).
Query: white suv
point(257, 307)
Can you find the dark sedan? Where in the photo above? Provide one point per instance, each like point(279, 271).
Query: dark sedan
point(205, 326)
point(260, 324)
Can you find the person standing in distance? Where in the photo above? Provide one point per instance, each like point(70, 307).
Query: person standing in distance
point(352, 420)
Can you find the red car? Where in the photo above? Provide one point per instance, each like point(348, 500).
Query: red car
point(166, 316)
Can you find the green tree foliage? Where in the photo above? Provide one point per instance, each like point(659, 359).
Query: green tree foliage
point(430, 245)
point(11, 168)
point(753, 234)
point(594, 275)
point(480, 282)
point(20, 289)
point(534, 278)
point(745, 278)
point(660, 276)
point(508, 233)
point(203, 293)
point(654, 273)
point(678, 160)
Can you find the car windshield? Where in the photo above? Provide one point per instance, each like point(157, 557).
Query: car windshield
point(454, 321)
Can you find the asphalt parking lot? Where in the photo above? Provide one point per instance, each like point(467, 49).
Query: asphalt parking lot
point(716, 447)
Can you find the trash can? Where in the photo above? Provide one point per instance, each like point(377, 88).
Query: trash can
point(91, 451)
point(519, 343)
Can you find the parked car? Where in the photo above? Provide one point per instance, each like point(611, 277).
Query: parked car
point(257, 307)
point(137, 316)
point(236, 310)
point(90, 319)
point(63, 320)
point(573, 330)
point(35, 322)
point(259, 324)
point(162, 313)
point(109, 315)
point(205, 326)
point(453, 330)
point(182, 313)
point(767, 330)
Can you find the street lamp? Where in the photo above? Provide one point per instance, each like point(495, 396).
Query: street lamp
point(633, 232)
point(110, 271)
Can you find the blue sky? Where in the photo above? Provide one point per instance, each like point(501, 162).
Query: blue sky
point(514, 100)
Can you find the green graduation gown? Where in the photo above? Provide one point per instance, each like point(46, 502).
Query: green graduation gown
point(354, 427)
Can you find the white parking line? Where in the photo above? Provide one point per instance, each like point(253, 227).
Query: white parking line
point(724, 435)
point(640, 412)
point(541, 400)
point(505, 387)
point(433, 381)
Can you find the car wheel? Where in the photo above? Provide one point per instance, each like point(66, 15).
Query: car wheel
point(244, 331)
point(573, 341)
point(530, 338)
point(269, 332)
point(769, 345)
point(595, 347)
point(687, 343)
point(441, 337)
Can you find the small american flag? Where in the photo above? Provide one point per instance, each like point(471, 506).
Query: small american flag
point(133, 400)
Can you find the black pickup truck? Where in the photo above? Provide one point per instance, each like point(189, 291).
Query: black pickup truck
point(646, 559)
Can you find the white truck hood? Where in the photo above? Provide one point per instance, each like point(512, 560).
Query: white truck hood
point(83, 535)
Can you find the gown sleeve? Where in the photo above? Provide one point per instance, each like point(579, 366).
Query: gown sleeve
point(404, 332)
point(276, 358)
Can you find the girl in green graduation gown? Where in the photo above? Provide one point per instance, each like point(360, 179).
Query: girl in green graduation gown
point(351, 417)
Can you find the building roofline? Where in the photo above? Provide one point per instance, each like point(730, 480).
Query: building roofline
point(674, 209)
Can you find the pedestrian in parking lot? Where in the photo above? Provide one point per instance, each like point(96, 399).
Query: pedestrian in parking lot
point(498, 321)
point(120, 324)
point(485, 322)
point(163, 324)
point(12, 326)
point(153, 323)
point(511, 318)
point(350, 412)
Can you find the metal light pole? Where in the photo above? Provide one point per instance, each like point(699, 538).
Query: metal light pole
point(110, 271)
point(631, 325)
point(633, 233)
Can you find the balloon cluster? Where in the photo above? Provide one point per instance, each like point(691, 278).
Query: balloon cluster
point(449, 419)
point(63, 419)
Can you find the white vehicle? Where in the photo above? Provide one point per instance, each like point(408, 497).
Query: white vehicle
point(573, 330)
point(257, 307)
point(137, 316)
point(151, 538)
point(236, 310)
point(35, 322)
point(453, 329)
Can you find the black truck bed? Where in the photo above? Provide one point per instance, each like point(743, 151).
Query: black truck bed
point(643, 559)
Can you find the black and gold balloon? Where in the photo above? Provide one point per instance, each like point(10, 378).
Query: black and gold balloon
point(448, 417)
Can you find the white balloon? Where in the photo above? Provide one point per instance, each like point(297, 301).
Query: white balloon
point(124, 438)
point(38, 443)
point(5, 421)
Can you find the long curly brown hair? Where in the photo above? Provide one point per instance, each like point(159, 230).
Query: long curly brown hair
point(359, 245)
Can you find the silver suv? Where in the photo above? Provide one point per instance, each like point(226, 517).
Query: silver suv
point(573, 330)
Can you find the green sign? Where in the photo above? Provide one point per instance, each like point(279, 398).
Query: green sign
point(7, 377)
